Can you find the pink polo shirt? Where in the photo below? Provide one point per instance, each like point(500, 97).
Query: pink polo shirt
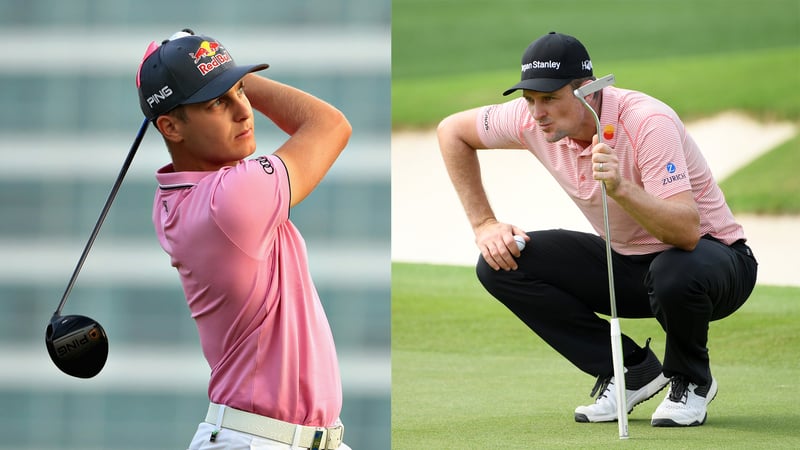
point(244, 271)
point(654, 151)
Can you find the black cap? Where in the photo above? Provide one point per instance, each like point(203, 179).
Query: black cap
point(186, 69)
point(551, 62)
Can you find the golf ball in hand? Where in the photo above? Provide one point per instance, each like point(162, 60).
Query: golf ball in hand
point(520, 242)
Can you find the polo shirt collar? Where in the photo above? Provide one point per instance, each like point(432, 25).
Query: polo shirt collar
point(169, 179)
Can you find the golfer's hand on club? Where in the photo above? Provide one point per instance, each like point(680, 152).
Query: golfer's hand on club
point(605, 165)
point(496, 243)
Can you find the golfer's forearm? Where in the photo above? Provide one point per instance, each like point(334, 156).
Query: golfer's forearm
point(288, 107)
point(473, 197)
point(464, 170)
point(458, 142)
point(674, 221)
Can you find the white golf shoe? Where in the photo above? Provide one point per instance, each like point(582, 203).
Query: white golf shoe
point(685, 404)
point(642, 382)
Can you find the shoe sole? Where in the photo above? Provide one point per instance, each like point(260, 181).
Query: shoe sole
point(671, 423)
point(582, 418)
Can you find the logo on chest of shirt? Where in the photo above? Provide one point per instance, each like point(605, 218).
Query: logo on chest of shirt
point(266, 165)
point(608, 132)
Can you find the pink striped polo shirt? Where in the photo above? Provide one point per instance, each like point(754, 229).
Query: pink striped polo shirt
point(244, 271)
point(654, 151)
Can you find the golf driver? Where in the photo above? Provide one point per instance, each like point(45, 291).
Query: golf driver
point(78, 345)
point(616, 333)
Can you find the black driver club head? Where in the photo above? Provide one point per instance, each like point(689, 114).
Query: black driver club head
point(77, 345)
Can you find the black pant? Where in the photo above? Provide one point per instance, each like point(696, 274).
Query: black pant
point(562, 283)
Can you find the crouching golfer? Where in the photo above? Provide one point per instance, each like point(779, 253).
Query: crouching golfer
point(678, 253)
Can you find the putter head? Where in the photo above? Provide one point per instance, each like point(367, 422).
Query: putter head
point(589, 89)
point(594, 86)
point(77, 345)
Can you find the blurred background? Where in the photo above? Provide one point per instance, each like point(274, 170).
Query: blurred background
point(69, 115)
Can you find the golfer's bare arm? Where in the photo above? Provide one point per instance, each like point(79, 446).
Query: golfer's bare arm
point(674, 220)
point(319, 132)
point(459, 142)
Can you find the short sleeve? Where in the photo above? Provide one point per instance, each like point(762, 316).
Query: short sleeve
point(500, 126)
point(661, 156)
point(250, 201)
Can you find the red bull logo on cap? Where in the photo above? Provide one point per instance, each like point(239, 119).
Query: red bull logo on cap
point(209, 56)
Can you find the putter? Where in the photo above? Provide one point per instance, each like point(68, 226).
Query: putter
point(78, 345)
point(616, 333)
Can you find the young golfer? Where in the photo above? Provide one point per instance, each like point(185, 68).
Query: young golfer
point(224, 221)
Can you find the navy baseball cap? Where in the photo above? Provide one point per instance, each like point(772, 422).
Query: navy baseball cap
point(185, 69)
point(551, 62)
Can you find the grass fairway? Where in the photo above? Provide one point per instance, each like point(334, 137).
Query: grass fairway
point(422, 102)
point(700, 56)
point(466, 374)
point(768, 185)
point(447, 37)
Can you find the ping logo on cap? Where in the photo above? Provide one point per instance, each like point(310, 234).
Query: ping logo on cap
point(212, 52)
point(159, 96)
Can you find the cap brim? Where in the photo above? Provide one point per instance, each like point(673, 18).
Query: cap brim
point(539, 84)
point(222, 83)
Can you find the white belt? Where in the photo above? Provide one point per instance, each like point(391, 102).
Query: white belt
point(321, 438)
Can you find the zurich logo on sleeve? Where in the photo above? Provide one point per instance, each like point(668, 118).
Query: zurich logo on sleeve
point(672, 177)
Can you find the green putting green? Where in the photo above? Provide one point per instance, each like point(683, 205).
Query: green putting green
point(467, 374)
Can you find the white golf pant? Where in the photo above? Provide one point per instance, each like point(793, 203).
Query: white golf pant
point(236, 440)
